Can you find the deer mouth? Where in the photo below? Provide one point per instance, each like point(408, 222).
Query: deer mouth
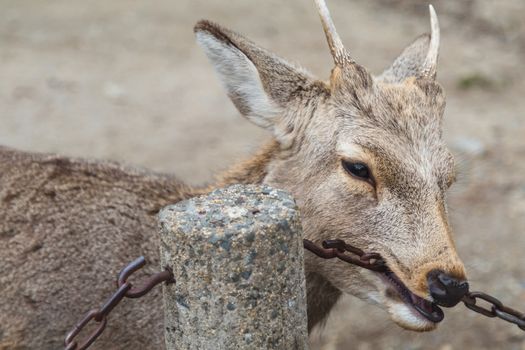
point(425, 308)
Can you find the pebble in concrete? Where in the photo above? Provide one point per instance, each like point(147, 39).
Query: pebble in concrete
point(237, 256)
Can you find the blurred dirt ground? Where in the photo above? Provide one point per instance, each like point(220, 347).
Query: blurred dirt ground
point(124, 80)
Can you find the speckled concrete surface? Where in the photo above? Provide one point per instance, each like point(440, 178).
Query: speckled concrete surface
point(237, 256)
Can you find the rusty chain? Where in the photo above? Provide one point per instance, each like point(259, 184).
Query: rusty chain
point(125, 289)
point(372, 261)
point(330, 249)
point(336, 248)
point(497, 308)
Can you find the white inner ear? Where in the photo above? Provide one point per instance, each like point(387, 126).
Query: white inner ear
point(241, 79)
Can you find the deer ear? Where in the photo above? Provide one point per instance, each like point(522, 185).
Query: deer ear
point(259, 83)
point(419, 59)
point(409, 63)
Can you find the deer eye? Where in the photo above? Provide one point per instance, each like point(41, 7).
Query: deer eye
point(358, 170)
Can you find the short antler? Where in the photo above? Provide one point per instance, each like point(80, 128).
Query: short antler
point(337, 49)
point(429, 66)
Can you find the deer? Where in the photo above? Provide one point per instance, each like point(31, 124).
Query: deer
point(362, 154)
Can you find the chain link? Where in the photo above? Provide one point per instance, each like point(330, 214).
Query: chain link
point(330, 249)
point(336, 248)
point(124, 290)
point(373, 261)
point(497, 309)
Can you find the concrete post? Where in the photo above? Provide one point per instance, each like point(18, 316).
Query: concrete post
point(237, 257)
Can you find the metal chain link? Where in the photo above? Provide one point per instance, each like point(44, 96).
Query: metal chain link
point(336, 248)
point(373, 261)
point(124, 290)
point(330, 249)
point(497, 309)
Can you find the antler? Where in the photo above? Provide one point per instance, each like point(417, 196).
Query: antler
point(429, 66)
point(337, 49)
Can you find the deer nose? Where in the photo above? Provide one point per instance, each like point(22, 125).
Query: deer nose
point(446, 290)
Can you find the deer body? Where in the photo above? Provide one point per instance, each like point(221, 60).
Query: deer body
point(67, 227)
point(362, 155)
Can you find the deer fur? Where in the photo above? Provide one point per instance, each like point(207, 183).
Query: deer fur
point(68, 225)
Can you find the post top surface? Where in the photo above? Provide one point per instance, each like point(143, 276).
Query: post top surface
point(230, 211)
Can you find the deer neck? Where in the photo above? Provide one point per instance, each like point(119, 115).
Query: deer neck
point(321, 296)
point(250, 171)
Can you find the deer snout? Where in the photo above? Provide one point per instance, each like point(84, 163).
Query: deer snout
point(445, 289)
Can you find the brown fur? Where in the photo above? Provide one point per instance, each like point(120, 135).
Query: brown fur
point(67, 228)
point(68, 225)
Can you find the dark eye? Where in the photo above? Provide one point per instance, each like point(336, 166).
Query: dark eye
point(358, 170)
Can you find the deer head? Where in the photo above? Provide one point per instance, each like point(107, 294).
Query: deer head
point(365, 159)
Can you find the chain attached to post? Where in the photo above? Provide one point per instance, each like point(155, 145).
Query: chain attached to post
point(124, 289)
point(330, 249)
